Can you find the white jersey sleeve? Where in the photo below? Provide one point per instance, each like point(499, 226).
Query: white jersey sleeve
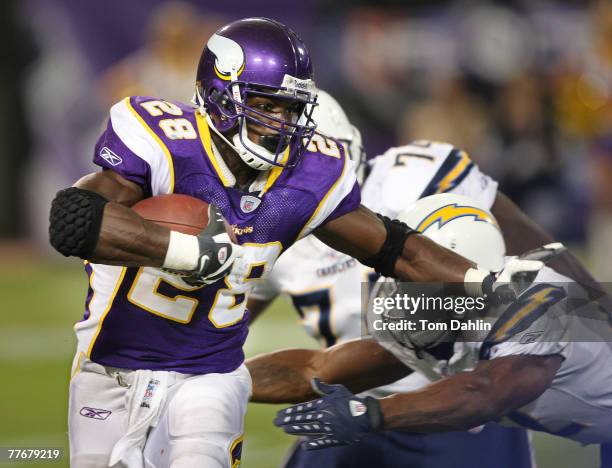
point(535, 324)
point(129, 147)
point(578, 403)
point(404, 174)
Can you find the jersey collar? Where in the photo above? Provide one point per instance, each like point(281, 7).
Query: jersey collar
point(262, 182)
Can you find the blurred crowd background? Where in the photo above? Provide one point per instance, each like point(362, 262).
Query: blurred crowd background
point(524, 86)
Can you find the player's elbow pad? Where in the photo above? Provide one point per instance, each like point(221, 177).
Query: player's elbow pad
point(397, 233)
point(75, 221)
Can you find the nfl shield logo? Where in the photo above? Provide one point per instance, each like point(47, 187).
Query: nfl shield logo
point(249, 203)
point(357, 408)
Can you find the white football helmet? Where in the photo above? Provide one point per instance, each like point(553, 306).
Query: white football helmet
point(332, 122)
point(460, 224)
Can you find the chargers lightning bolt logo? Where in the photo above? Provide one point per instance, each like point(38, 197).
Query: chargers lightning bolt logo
point(453, 211)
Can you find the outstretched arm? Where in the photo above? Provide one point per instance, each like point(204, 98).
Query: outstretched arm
point(521, 234)
point(460, 402)
point(470, 399)
point(395, 250)
point(361, 234)
point(284, 376)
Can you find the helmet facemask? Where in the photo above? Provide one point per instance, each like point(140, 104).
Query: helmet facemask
point(283, 140)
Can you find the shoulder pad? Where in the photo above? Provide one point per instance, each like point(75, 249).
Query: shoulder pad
point(419, 149)
point(404, 174)
point(153, 130)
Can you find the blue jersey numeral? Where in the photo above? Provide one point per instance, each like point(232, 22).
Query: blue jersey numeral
point(321, 299)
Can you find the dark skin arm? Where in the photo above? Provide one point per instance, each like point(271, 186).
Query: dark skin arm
point(361, 235)
point(129, 240)
point(522, 234)
point(284, 376)
point(125, 238)
point(470, 399)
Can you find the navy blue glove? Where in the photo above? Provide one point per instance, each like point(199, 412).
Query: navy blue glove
point(337, 418)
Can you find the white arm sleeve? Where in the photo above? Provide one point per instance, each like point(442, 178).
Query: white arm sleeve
point(265, 289)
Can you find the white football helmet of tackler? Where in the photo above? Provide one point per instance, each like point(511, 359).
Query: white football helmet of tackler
point(469, 229)
point(459, 224)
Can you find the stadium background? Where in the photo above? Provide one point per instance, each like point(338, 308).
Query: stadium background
point(524, 86)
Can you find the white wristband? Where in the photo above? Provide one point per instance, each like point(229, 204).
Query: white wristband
point(473, 279)
point(183, 252)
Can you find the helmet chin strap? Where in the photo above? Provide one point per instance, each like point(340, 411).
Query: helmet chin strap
point(240, 148)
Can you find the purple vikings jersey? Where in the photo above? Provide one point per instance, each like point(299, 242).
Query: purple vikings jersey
point(143, 318)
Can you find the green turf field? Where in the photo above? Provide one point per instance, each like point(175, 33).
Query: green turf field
point(39, 304)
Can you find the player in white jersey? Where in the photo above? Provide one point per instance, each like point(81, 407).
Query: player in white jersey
point(324, 287)
point(543, 364)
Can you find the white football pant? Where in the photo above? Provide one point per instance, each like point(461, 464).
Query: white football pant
point(200, 422)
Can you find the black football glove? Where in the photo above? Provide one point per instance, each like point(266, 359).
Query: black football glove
point(503, 287)
point(337, 418)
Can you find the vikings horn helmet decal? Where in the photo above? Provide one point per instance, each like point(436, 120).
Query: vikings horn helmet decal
point(229, 56)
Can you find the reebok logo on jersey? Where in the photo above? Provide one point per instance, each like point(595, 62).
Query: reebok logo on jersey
point(110, 157)
point(357, 408)
point(530, 337)
point(94, 413)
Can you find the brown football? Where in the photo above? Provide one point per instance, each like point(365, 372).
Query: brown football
point(178, 212)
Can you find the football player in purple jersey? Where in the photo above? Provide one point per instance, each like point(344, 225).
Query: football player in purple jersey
point(158, 377)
